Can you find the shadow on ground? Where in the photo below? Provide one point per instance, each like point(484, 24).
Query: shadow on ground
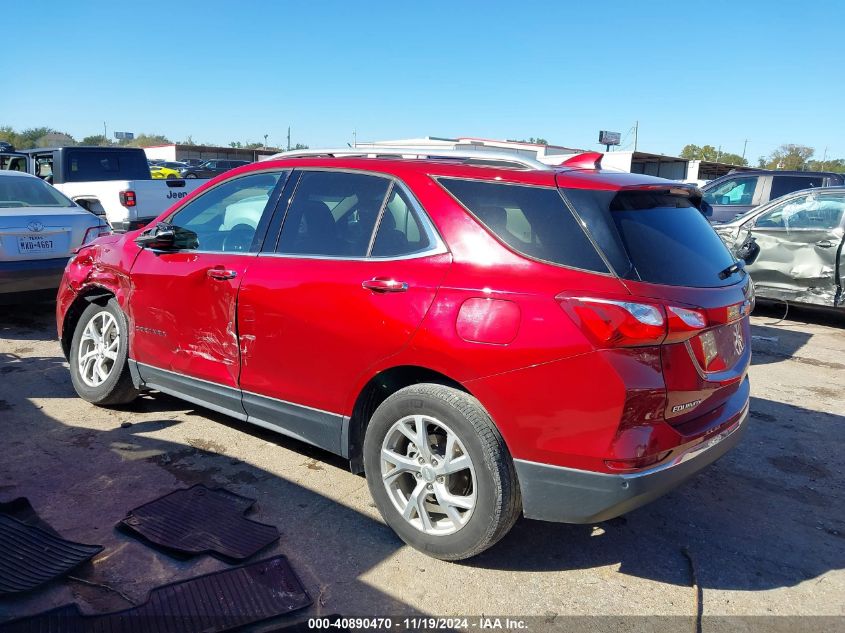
point(768, 515)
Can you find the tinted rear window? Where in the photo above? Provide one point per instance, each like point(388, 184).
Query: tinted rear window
point(533, 221)
point(88, 165)
point(782, 185)
point(657, 237)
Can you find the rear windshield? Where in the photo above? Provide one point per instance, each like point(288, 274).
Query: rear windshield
point(654, 236)
point(89, 165)
point(26, 191)
point(533, 221)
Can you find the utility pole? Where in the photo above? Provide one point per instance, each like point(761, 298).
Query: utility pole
point(636, 133)
point(718, 153)
point(105, 134)
point(288, 138)
point(824, 158)
point(744, 145)
point(354, 138)
point(265, 140)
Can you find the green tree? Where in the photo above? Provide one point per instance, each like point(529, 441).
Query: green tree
point(733, 159)
point(146, 140)
point(28, 138)
point(690, 152)
point(538, 141)
point(299, 146)
point(789, 157)
point(236, 144)
point(96, 139)
point(835, 164)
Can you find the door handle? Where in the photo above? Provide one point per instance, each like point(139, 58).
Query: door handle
point(380, 284)
point(221, 274)
point(824, 244)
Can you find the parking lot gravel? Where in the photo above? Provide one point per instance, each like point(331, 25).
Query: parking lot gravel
point(760, 533)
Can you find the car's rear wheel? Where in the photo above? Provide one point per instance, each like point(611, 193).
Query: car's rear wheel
point(98, 356)
point(439, 471)
point(190, 175)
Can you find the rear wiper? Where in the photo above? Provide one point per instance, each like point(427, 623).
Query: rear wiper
point(730, 270)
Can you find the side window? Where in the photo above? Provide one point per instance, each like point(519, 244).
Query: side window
point(782, 185)
point(44, 166)
point(812, 211)
point(533, 221)
point(733, 192)
point(226, 217)
point(212, 164)
point(400, 231)
point(333, 214)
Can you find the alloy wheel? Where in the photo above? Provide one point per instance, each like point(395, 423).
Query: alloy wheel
point(98, 349)
point(428, 474)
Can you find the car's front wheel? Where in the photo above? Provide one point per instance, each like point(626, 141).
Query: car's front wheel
point(99, 368)
point(439, 471)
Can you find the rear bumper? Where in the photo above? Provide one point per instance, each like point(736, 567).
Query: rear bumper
point(19, 279)
point(568, 495)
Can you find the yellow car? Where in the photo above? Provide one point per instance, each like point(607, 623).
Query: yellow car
point(163, 172)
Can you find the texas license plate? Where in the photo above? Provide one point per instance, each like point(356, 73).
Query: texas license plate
point(35, 244)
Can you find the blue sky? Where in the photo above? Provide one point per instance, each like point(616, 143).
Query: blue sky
point(690, 72)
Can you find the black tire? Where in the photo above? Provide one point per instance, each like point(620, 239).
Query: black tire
point(498, 500)
point(191, 176)
point(117, 388)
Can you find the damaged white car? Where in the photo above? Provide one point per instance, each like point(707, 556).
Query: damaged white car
point(794, 246)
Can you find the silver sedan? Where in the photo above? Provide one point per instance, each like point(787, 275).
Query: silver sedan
point(40, 229)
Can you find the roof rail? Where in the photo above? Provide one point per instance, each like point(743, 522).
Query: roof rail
point(471, 157)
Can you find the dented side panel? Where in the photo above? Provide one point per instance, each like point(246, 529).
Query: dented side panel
point(802, 265)
point(184, 320)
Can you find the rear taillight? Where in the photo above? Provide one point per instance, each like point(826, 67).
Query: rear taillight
point(127, 198)
point(94, 232)
point(620, 323)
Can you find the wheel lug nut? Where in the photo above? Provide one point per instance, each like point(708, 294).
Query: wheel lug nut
point(430, 487)
point(434, 462)
point(440, 480)
point(421, 460)
point(418, 475)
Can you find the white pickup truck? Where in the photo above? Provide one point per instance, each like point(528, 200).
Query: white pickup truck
point(114, 182)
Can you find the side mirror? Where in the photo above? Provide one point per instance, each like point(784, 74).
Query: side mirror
point(749, 250)
point(160, 238)
point(706, 209)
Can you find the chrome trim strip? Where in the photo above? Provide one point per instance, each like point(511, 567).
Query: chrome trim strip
point(693, 452)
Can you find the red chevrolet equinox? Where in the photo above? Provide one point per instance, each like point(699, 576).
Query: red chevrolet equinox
point(482, 339)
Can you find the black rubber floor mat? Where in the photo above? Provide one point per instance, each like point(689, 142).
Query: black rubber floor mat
point(199, 520)
point(222, 601)
point(30, 556)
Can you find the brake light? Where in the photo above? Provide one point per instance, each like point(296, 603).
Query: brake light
point(127, 198)
point(94, 232)
point(619, 323)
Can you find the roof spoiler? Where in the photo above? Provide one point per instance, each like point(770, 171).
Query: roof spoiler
point(587, 160)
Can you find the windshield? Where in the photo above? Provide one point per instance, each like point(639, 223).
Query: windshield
point(26, 191)
point(655, 236)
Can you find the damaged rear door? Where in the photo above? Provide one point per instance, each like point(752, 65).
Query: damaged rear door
point(801, 243)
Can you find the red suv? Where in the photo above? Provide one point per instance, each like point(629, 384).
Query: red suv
point(481, 338)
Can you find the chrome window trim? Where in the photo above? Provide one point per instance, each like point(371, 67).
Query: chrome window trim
point(438, 245)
